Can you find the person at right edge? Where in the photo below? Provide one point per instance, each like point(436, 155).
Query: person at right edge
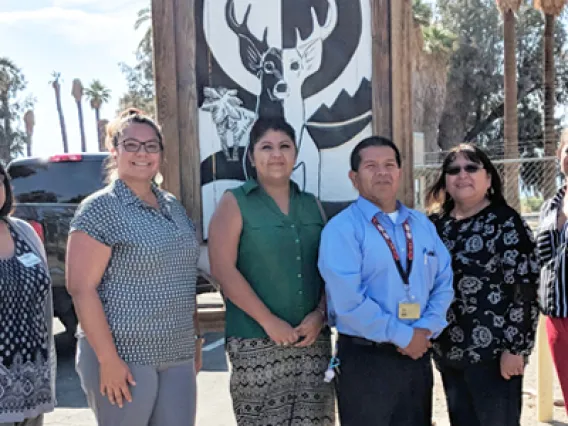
point(482, 353)
point(552, 237)
point(388, 282)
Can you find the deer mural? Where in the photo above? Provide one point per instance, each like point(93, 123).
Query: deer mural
point(282, 73)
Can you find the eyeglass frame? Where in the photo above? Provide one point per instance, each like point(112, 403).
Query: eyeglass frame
point(142, 144)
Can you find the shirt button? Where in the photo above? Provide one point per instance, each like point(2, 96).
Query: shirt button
point(297, 241)
point(300, 292)
point(298, 258)
point(299, 275)
point(292, 226)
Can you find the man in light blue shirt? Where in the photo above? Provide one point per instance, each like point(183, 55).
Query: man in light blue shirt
point(388, 281)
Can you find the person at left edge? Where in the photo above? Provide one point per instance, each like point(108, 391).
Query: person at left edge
point(384, 324)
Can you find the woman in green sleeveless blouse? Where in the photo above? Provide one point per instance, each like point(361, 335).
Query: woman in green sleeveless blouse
point(263, 248)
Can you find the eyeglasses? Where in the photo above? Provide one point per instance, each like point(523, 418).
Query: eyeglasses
point(469, 168)
point(151, 147)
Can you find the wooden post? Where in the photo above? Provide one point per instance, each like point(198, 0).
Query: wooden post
point(382, 67)
point(545, 392)
point(165, 76)
point(392, 82)
point(190, 161)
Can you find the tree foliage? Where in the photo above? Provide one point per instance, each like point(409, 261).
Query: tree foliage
point(140, 76)
point(475, 102)
point(13, 105)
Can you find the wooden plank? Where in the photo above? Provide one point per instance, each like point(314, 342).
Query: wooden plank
point(166, 90)
point(401, 31)
point(382, 66)
point(190, 176)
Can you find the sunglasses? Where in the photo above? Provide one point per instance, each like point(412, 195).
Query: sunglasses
point(469, 169)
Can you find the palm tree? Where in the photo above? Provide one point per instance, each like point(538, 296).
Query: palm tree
point(29, 121)
point(98, 94)
point(57, 89)
point(432, 47)
point(144, 16)
point(511, 148)
point(77, 93)
point(551, 10)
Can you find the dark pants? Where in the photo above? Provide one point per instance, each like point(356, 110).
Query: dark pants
point(379, 386)
point(478, 395)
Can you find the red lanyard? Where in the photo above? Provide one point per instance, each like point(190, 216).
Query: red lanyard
point(405, 275)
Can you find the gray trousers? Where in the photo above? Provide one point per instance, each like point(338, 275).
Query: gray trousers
point(36, 421)
point(162, 395)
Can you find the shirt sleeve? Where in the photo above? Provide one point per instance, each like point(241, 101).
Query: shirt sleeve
point(442, 294)
point(95, 218)
point(340, 264)
point(521, 271)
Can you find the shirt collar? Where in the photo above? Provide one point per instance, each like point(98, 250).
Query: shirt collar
point(557, 200)
point(251, 185)
point(370, 210)
point(127, 196)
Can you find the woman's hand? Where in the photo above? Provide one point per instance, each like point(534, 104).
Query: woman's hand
point(512, 365)
point(115, 378)
point(309, 329)
point(280, 331)
point(198, 354)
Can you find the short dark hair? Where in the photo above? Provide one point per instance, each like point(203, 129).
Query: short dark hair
point(265, 124)
point(439, 202)
point(6, 209)
point(372, 141)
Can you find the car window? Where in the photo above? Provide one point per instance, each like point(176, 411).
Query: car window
point(59, 182)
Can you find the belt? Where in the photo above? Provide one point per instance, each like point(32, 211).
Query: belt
point(360, 341)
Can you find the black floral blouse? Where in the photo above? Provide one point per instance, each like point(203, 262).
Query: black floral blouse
point(495, 282)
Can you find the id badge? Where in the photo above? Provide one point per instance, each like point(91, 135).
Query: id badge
point(29, 260)
point(408, 310)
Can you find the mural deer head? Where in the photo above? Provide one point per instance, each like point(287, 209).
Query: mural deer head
point(260, 60)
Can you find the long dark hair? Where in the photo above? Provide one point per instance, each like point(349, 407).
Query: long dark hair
point(438, 201)
point(8, 205)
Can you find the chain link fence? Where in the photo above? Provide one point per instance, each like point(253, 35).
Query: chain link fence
point(527, 182)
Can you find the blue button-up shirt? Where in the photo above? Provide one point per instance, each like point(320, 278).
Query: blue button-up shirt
point(363, 285)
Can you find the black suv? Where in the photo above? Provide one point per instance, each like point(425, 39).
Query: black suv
point(47, 192)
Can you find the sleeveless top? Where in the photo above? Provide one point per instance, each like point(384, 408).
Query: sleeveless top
point(277, 255)
point(148, 288)
point(26, 371)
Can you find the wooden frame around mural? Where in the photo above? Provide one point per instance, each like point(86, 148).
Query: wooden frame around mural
point(176, 91)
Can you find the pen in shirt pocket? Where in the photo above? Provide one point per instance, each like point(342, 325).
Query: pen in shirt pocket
point(428, 253)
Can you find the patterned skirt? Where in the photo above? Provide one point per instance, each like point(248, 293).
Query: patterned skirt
point(280, 386)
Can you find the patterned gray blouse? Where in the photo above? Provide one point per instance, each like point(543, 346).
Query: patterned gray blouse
point(148, 288)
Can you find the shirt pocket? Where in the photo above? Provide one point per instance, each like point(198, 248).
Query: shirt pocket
point(430, 262)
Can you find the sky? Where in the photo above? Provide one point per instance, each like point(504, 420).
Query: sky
point(83, 39)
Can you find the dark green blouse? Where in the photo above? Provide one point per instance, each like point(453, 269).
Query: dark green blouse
point(278, 256)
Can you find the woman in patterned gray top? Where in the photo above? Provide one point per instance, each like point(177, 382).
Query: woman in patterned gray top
point(492, 321)
point(131, 270)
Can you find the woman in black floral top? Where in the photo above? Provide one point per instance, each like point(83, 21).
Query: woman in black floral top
point(492, 320)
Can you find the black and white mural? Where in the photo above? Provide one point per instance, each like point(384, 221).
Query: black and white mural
point(306, 60)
